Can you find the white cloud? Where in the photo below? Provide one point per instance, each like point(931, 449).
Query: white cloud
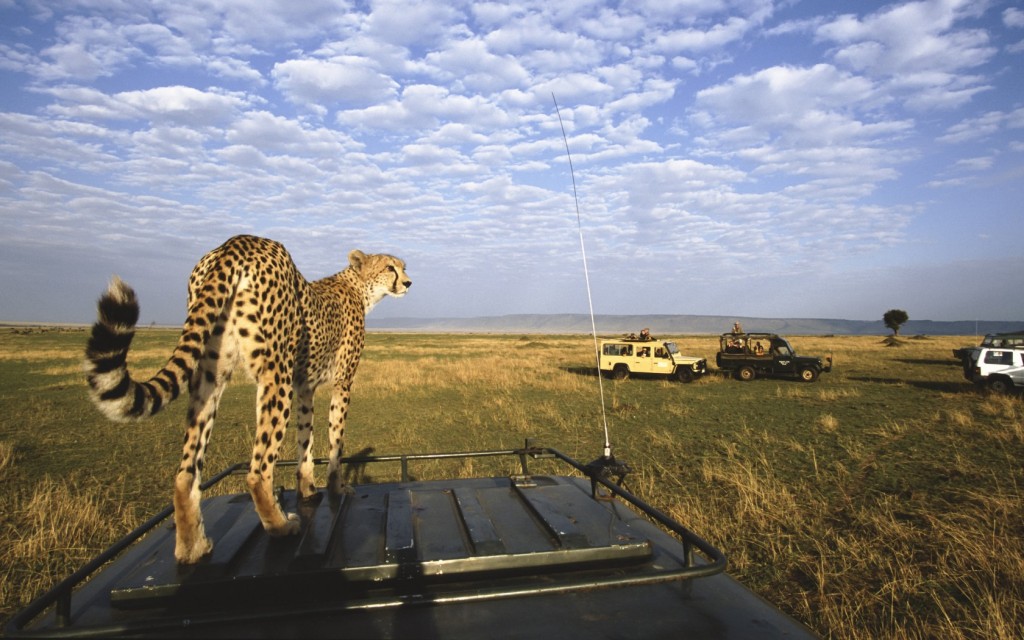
point(699, 40)
point(408, 23)
point(974, 164)
point(87, 48)
point(780, 94)
point(692, 11)
point(1013, 17)
point(17, 59)
point(979, 127)
point(36, 141)
point(426, 107)
point(348, 81)
point(722, 133)
point(470, 64)
point(271, 132)
point(808, 120)
point(613, 26)
point(182, 104)
point(177, 104)
point(917, 46)
point(230, 24)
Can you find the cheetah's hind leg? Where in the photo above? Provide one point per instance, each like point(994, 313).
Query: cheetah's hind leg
point(274, 402)
point(191, 543)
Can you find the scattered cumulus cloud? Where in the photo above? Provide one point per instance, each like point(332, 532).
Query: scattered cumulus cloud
point(1013, 17)
point(717, 146)
point(346, 81)
point(920, 49)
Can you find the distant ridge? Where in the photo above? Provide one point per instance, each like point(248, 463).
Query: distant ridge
point(682, 325)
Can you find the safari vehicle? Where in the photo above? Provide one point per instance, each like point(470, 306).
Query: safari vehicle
point(748, 355)
point(1000, 369)
point(526, 555)
point(623, 357)
point(1006, 340)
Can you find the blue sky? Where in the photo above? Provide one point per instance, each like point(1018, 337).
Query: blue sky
point(732, 157)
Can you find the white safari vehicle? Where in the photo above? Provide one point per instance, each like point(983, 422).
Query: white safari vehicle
point(622, 357)
point(1001, 369)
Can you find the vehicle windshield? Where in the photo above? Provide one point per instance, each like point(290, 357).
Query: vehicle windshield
point(671, 347)
point(782, 347)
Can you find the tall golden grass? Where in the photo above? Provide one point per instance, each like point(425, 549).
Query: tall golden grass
point(884, 501)
point(52, 526)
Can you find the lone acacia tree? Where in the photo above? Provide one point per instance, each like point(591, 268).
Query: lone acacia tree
point(894, 319)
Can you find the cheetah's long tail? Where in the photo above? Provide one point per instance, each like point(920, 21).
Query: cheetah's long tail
point(111, 386)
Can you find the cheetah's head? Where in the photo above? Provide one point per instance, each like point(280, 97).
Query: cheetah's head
point(384, 275)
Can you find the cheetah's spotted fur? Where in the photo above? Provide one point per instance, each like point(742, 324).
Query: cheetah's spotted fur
point(247, 303)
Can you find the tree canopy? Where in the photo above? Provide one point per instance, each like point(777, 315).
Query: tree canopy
point(894, 319)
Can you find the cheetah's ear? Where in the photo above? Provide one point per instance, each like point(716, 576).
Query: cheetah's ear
point(355, 258)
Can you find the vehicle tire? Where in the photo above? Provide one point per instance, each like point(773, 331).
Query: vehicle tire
point(746, 374)
point(1000, 385)
point(809, 374)
point(684, 374)
point(620, 372)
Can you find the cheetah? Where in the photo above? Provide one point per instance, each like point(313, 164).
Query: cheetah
point(247, 303)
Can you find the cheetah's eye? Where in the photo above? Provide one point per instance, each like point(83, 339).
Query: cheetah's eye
point(391, 268)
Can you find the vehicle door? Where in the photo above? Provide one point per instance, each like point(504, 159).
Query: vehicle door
point(783, 358)
point(664, 360)
point(644, 361)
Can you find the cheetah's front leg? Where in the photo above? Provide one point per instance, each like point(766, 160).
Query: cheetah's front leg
point(339, 412)
point(304, 437)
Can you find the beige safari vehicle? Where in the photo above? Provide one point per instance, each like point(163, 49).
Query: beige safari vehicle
point(624, 357)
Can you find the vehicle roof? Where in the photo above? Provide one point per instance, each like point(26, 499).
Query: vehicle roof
point(520, 556)
point(751, 334)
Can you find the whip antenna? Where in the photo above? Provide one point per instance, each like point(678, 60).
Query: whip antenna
point(586, 276)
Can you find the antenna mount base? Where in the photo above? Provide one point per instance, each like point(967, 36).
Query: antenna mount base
point(607, 468)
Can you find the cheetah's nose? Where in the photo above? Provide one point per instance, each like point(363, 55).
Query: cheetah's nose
point(407, 283)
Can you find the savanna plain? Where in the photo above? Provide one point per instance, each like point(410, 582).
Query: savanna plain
point(884, 500)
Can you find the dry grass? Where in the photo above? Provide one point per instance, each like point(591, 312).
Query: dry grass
point(868, 565)
point(52, 529)
point(883, 501)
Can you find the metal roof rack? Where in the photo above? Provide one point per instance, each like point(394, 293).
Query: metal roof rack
point(387, 545)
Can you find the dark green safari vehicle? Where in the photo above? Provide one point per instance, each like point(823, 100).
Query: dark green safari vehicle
point(568, 554)
point(749, 355)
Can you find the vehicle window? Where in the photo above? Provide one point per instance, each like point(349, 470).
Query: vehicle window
point(644, 352)
point(618, 349)
point(999, 357)
point(782, 348)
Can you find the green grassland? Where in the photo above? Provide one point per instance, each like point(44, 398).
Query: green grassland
point(884, 500)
